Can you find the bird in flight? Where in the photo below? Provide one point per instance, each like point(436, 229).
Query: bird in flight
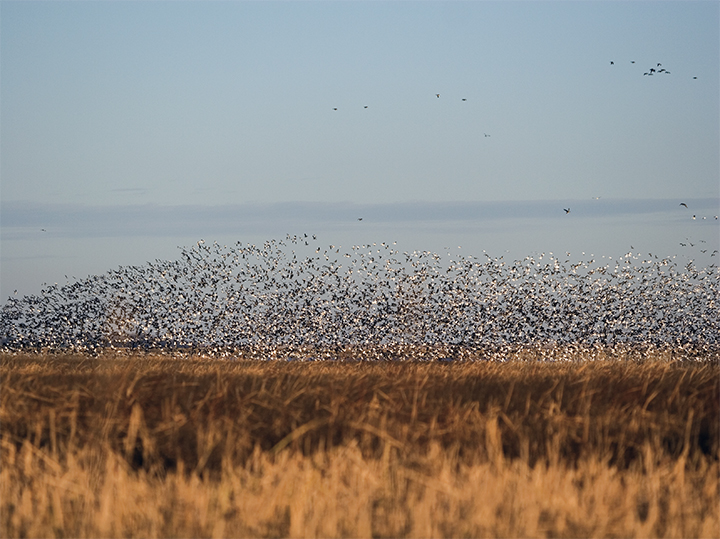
point(612, 63)
point(438, 95)
point(566, 210)
point(683, 204)
point(366, 106)
point(359, 218)
point(335, 108)
point(464, 99)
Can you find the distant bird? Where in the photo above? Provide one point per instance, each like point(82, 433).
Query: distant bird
point(365, 106)
point(596, 198)
point(359, 218)
point(464, 99)
point(486, 134)
point(693, 217)
point(632, 61)
point(335, 108)
point(646, 74)
point(43, 230)
point(694, 77)
point(659, 64)
point(566, 210)
point(612, 63)
point(683, 204)
point(438, 95)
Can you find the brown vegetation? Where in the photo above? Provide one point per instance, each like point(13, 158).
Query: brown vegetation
point(152, 446)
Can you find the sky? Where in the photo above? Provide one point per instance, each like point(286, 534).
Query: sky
point(128, 129)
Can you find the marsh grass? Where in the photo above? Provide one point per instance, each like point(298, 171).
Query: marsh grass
point(153, 446)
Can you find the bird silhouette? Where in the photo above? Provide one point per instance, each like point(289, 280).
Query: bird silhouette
point(683, 204)
point(566, 210)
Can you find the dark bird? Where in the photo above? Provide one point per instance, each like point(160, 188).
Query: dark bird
point(566, 210)
point(366, 106)
point(359, 218)
point(659, 64)
point(486, 134)
point(438, 95)
point(694, 77)
point(43, 230)
point(683, 204)
point(632, 61)
point(646, 74)
point(464, 99)
point(335, 108)
point(612, 63)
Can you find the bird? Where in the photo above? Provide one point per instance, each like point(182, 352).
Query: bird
point(486, 134)
point(612, 63)
point(360, 218)
point(683, 204)
point(632, 61)
point(335, 108)
point(566, 210)
point(464, 99)
point(365, 106)
point(694, 77)
point(438, 95)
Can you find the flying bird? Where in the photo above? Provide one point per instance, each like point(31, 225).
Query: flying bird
point(683, 204)
point(566, 210)
point(612, 63)
point(464, 99)
point(438, 95)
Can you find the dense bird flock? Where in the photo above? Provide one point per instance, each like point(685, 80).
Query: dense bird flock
point(296, 300)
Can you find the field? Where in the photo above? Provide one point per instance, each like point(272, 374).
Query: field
point(157, 446)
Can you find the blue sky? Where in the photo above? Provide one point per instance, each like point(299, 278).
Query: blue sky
point(115, 113)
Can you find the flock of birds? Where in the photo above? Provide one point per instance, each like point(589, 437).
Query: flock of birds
point(296, 294)
point(657, 69)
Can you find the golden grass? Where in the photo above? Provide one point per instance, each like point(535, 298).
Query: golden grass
point(150, 446)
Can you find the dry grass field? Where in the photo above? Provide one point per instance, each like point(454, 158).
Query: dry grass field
point(154, 446)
